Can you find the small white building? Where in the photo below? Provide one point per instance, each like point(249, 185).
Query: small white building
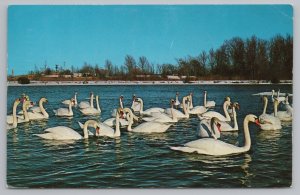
point(173, 77)
point(77, 74)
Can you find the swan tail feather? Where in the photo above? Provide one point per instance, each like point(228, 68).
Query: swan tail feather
point(183, 149)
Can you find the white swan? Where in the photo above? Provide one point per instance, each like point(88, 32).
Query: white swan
point(282, 115)
point(288, 107)
point(177, 102)
point(39, 115)
point(107, 131)
point(196, 109)
point(211, 146)
point(66, 102)
point(210, 114)
point(146, 127)
point(90, 110)
point(20, 118)
point(149, 111)
point(162, 117)
point(66, 133)
point(268, 121)
point(179, 114)
point(15, 120)
point(68, 112)
point(208, 104)
point(227, 127)
point(209, 128)
point(85, 104)
point(135, 106)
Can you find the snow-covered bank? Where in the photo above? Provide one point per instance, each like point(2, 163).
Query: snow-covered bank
point(215, 82)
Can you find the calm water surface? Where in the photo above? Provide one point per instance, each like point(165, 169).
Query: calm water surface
point(142, 160)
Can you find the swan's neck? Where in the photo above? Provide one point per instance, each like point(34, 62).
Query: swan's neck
point(247, 135)
point(43, 109)
point(121, 103)
point(117, 131)
point(275, 109)
point(225, 106)
point(92, 101)
point(176, 98)
point(75, 98)
point(173, 113)
point(235, 124)
point(204, 100)
point(25, 107)
point(129, 128)
point(142, 106)
point(15, 122)
point(97, 104)
point(185, 110)
point(70, 108)
point(191, 102)
point(85, 130)
point(265, 105)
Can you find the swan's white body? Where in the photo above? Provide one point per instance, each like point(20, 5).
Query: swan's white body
point(210, 114)
point(179, 114)
point(90, 110)
point(149, 111)
point(66, 133)
point(67, 112)
point(20, 118)
point(208, 104)
point(85, 104)
point(162, 117)
point(107, 131)
point(286, 116)
point(14, 115)
point(39, 115)
point(112, 122)
point(208, 128)
point(268, 121)
point(66, 102)
point(196, 109)
point(147, 127)
point(210, 146)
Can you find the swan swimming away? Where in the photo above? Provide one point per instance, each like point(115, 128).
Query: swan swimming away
point(146, 127)
point(85, 104)
point(149, 111)
point(66, 102)
point(197, 109)
point(177, 102)
point(210, 114)
point(162, 117)
point(66, 133)
point(90, 110)
point(65, 112)
point(286, 116)
point(208, 104)
point(268, 121)
point(20, 118)
point(211, 146)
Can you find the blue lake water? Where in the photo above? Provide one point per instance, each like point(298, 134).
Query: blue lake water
point(145, 160)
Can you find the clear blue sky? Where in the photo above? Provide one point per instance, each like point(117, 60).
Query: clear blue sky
point(92, 34)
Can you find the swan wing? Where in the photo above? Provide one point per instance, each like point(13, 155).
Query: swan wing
point(35, 116)
point(176, 112)
point(211, 114)
point(89, 111)
point(151, 127)
point(60, 133)
point(198, 110)
point(106, 130)
point(84, 104)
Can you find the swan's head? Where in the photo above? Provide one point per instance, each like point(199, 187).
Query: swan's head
point(43, 99)
point(172, 102)
point(121, 97)
point(177, 93)
point(227, 99)
point(191, 94)
point(236, 105)
point(253, 118)
point(204, 92)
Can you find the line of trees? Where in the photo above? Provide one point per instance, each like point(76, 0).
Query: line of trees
point(237, 58)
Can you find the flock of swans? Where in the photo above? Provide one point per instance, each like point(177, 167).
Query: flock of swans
point(158, 120)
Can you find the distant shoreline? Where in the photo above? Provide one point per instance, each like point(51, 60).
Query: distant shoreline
point(214, 82)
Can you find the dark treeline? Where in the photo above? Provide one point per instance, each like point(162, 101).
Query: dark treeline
point(237, 58)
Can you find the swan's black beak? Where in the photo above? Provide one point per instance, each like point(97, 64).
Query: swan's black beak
point(97, 130)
